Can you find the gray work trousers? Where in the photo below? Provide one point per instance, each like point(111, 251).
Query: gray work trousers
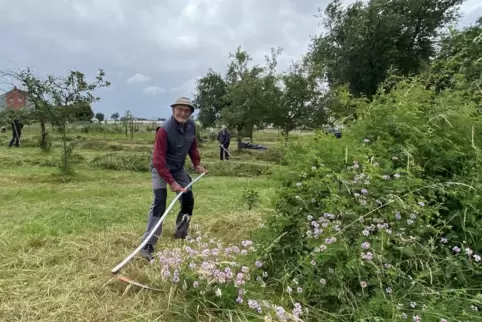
point(158, 206)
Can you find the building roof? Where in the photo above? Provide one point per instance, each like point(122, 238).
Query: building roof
point(14, 89)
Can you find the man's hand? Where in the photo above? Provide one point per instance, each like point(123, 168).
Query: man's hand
point(176, 187)
point(200, 169)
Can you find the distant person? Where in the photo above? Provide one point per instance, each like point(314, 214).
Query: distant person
point(16, 133)
point(224, 138)
point(175, 139)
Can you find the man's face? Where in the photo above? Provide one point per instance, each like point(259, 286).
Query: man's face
point(182, 113)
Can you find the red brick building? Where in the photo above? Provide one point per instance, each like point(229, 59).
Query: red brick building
point(15, 99)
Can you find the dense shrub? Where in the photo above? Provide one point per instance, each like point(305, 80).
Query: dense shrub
point(384, 224)
point(437, 132)
point(435, 137)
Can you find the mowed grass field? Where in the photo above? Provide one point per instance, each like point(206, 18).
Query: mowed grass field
point(60, 237)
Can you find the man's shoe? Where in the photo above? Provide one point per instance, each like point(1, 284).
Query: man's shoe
point(148, 252)
point(182, 226)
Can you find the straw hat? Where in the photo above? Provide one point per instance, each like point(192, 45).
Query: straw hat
point(184, 101)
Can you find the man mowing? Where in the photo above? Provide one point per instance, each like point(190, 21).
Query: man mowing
point(224, 138)
point(175, 139)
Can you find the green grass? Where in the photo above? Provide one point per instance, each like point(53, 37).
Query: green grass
point(60, 237)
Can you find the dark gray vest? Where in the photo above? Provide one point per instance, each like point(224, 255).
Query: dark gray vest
point(179, 142)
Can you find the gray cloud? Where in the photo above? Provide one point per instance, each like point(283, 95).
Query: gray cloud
point(164, 45)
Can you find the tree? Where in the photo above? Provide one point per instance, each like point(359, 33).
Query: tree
point(364, 41)
point(250, 92)
point(297, 102)
point(99, 116)
point(459, 54)
point(115, 116)
point(65, 92)
point(128, 121)
point(210, 98)
point(83, 112)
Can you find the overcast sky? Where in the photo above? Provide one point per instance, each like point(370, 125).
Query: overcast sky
point(153, 51)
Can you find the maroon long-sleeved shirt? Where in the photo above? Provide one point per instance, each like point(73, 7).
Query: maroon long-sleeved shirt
point(159, 155)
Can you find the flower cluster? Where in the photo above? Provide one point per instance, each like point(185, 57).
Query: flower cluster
point(208, 267)
point(275, 312)
point(371, 225)
point(207, 260)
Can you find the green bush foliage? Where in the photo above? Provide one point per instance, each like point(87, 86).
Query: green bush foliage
point(385, 223)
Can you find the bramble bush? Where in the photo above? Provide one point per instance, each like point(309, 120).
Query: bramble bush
point(385, 224)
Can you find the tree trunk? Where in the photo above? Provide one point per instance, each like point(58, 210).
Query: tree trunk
point(65, 161)
point(285, 135)
point(238, 138)
point(132, 129)
point(43, 136)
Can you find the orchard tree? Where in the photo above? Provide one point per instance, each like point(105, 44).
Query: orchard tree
point(128, 122)
point(66, 93)
point(210, 98)
point(270, 86)
point(250, 93)
point(297, 104)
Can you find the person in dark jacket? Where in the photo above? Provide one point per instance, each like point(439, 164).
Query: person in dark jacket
point(175, 140)
point(17, 127)
point(224, 138)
